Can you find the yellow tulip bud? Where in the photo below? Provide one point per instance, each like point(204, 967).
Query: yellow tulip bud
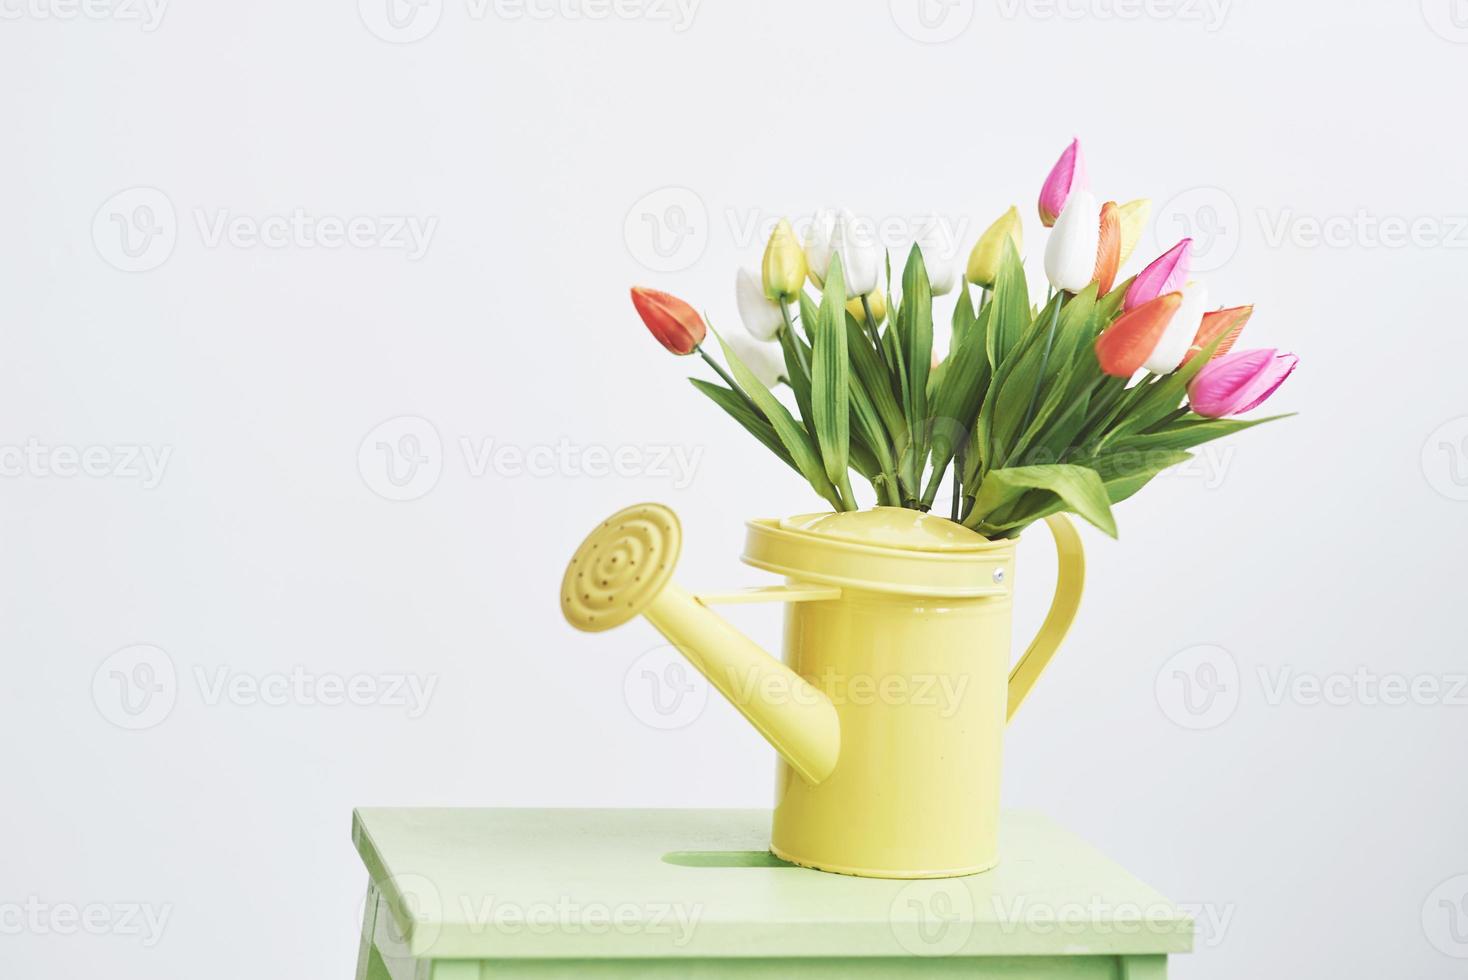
point(1133, 217)
point(784, 265)
point(983, 261)
point(876, 300)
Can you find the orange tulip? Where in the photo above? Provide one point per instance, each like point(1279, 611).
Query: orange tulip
point(1216, 324)
point(675, 324)
point(1125, 346)
point(1108, 249)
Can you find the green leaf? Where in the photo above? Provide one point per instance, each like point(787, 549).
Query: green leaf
point(871, 371)
point(1191, 431)
point(1011, 307)
point(935, 379)
point(797, 356)
point(830, 377)
point(1078, 487)
point(1125, 472)
point(915, 342)
point(739, 409)
point(792, 435)
point(964, 315)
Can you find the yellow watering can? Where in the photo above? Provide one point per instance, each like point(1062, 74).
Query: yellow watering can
point(889, 710)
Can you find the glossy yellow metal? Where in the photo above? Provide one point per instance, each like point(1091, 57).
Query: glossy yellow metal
point(889, 709)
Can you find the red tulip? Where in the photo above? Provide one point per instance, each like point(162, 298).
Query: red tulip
point(675, 324)
point(1108, 249)
point(1125, 346)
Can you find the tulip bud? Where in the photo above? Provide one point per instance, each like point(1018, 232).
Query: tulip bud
point(1066, 177)
point(1166, 274)
point(861, 256)
point(1236, 383)
point(1127, 343)
point(784, 264)
point(1173, 345)
point(761, 315)
point(983, 261)
point(1070, 254)
point(764, 360)
point(675, 324)
point(939, 257)
point(1133, 215)
point(818, 244)
point(875, 300)
point(1216, 324)
point(1108, 249)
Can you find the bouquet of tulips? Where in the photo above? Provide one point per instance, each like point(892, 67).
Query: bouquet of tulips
point(1070, 405)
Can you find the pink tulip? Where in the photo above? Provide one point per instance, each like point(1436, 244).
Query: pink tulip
point(1167, 274)
point(1238, 382)
point(1068, 174)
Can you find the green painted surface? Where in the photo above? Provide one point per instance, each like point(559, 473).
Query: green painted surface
point(650, 885)
point(869, 968)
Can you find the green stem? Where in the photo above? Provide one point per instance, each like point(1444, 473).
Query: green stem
point(729, 381)
point(790, 327)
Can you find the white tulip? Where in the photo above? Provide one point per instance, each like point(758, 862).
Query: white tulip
point(1070, 254)
point(861, 255)
point(819, 245)
point(1168, 355)
point(939, 257)
point(764, 360)
point(761, 315)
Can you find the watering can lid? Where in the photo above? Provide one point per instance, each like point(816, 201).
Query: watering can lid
point(891, 527)
point(886, 549)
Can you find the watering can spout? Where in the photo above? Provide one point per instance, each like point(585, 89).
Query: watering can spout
point(624, 569)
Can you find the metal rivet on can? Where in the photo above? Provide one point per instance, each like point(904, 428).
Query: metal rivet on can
point(998, 575)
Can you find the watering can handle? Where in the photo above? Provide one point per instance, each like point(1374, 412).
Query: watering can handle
point(1070, 577)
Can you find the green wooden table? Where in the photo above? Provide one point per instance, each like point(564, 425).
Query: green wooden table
point(464, 894)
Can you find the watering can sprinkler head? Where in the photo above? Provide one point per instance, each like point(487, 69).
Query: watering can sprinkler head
point(621, 567)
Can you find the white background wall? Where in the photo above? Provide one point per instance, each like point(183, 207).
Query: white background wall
point(544, 151)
